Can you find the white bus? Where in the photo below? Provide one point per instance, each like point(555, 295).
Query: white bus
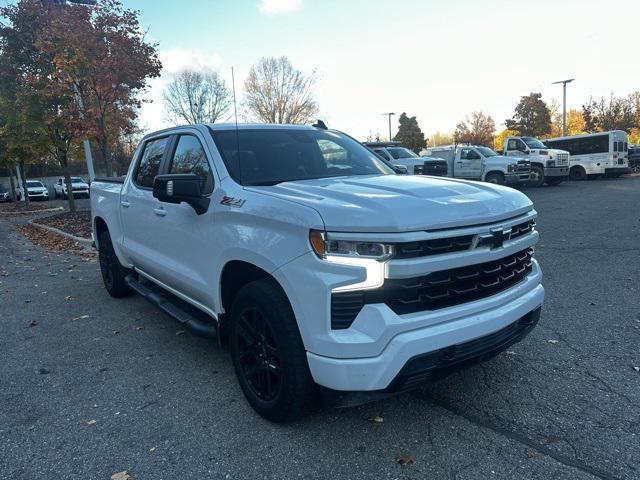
point(595, 153)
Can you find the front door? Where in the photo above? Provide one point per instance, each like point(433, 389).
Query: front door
point(469, 164)
point(185, 241)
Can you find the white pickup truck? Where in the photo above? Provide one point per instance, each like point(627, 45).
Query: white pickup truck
point(326, 272)
point(474, 162)
point(548, 165)
point(79, 187)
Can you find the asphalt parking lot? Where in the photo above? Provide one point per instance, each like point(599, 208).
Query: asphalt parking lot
point(91, 386)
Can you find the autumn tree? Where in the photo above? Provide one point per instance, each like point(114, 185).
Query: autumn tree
point(277, 92)
point(197, 97)
point(531, 116)
point(102, 60)
point(614, 113)
point(409, 134)
point(477, 129)
point(440, 138)
point(575, 123)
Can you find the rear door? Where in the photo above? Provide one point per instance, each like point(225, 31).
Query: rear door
point(139, 208)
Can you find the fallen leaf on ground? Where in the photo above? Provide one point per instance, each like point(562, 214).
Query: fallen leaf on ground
point(51, 274)
point(69, 297)
point(637, 369)
point(139, 328)
point(530, 452)
point(552, 341)
point(405, 460)
point(81, 317)
point(121, 476)
point(33, 323)
point(152, 449)
point(511, 352)
point(180, 332)
point(91, 422)
point(376, 419)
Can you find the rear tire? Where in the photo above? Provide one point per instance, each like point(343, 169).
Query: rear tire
point(113, 273)
point(537, 176)
point(577, 173)
point(268, 355)
point(495, 178)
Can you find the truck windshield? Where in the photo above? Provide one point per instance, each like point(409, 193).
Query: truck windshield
point(533, 142)
point(268, 156)
point(76, 180)
point(487, 152)
point(400, 152)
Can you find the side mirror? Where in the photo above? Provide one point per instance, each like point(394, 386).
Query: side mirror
point(178, 188)
point(401, 169)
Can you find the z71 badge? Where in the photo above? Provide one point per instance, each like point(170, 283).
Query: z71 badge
point(232, 202)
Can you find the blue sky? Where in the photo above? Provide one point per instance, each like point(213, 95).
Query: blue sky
point(438, 60)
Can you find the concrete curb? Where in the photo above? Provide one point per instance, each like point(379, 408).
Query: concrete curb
point(31, 212)
point(85, 242)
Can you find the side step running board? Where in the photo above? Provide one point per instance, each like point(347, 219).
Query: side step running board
point(190, 317)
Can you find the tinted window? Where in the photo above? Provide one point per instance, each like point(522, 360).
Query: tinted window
point(189, 157)
point(399, 152)
point(150, 162)
point(382, 153)
point(487, 152)
point(268, 156)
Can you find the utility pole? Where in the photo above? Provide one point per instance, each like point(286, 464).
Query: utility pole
point(564, 103)
point(389, 115)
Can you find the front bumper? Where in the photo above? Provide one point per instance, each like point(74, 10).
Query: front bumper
point(556, 171)
point(443, 329)
point(516, 178)
point(38, 195)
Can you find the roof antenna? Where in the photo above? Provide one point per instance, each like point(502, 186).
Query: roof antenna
point(235, 111)
point(320, 124)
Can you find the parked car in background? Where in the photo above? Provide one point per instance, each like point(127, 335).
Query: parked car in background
point(79, 187)
point(548, 164)
point(397, 155)
point(328, 274)
point(634, 158)
point(36, 190)
point(5, 195)
point(476, 162)
point(603, 153)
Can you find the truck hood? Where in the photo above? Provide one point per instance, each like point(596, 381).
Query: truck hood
point(400, 203)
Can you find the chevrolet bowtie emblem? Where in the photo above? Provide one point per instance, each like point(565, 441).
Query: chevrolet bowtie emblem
point(499, 236)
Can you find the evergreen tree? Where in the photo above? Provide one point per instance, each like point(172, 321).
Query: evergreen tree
point(409, 134)
point(531, 116)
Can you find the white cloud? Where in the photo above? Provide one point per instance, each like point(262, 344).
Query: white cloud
point(278, 6)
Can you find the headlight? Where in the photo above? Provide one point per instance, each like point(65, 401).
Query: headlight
point(511, 168)
point(343, 248)
point(371, 256)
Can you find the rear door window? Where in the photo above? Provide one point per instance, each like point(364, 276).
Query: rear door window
point(150, 162)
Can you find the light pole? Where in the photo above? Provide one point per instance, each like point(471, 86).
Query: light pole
point(389, 115)
point(564, 103)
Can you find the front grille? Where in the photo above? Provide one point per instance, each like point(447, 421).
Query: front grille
point(563, 159)
point(436, 168)
point(435, 290)
point(437, 246)
point(523, 166)
point(522, 229)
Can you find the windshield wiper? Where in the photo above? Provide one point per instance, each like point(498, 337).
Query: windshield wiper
point(269, 183)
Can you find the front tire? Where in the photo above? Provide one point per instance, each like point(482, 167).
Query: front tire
point(537, 176)
point(577, 174)
point(113, 273)
point(495, 178)
point(268, 355)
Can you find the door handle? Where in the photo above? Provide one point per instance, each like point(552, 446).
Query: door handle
point(161, 212)
point(125, 203)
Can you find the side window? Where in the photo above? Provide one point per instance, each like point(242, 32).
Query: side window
point(473, 155)
point(189, 157)
point(464, 154)
point(615, 146)
point(382, 153)
point(150, 162)
point(512, 145)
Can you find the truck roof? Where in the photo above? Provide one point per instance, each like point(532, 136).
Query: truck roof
point(382, 144)
point(233, 126)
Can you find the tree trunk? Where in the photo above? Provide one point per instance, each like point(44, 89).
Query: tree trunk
point(103, 141)
point(68, 183)
point(25, 190)
point(14, 195)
